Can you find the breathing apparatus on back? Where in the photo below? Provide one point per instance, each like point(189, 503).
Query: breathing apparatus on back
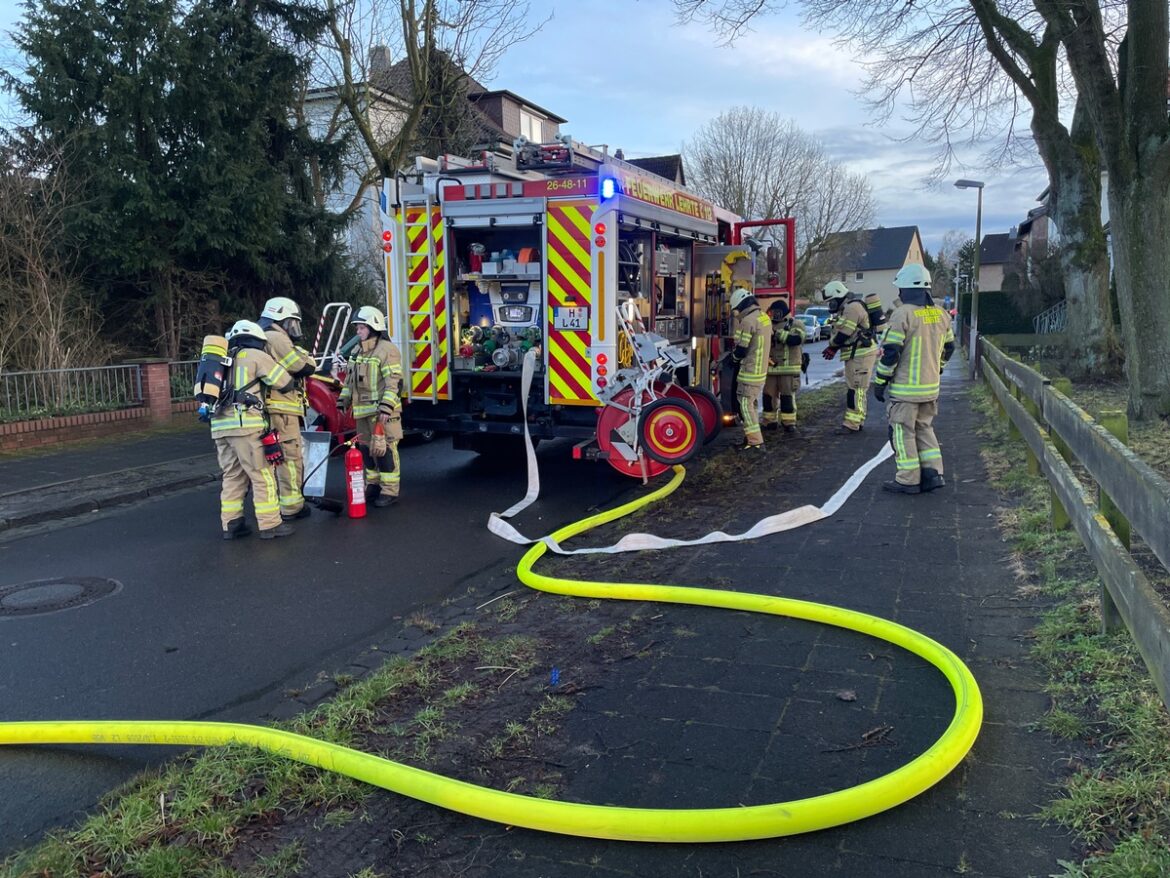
point(214, 390)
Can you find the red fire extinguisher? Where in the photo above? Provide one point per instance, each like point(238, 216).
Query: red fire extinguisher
point(355, 481)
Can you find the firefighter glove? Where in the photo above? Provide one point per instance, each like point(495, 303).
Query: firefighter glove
point(829, 352)
point(378, 444)
point(273, 453)
point(879, 392)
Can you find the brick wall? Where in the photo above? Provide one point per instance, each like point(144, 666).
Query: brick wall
point(156, 410)
point(55, 431)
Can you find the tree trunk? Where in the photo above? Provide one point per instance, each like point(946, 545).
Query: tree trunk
point(1073, 161)
point(1140, 227)
point(1093, 349)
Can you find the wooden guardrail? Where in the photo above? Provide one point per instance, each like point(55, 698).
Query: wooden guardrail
point(1130, 495)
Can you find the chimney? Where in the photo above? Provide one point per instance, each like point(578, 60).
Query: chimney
point(380, 62)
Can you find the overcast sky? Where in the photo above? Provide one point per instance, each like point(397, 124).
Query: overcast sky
point(623, 73)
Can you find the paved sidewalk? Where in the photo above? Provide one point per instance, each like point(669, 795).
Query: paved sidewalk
point(734, 709)
point(37, 487)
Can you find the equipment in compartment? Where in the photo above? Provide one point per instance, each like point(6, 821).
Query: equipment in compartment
point(506, 325)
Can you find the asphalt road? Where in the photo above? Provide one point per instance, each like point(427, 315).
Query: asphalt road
point(207, 629)
point(820, 370)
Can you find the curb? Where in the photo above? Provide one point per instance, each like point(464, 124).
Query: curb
point(118, 496)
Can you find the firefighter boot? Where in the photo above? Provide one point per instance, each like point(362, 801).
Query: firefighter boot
point(383, 500)
point(281, 530)
point(931, 479)
point(303, 512)
point(236, 528)
point(892, 487)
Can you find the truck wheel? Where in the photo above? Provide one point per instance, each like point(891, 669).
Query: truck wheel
point(705, 403)
point(611, 421)
point(670, 431)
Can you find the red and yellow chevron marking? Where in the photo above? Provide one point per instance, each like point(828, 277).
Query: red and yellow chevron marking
point(426, 297)
point(569, 258)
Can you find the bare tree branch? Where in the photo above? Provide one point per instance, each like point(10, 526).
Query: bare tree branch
point(762, 166)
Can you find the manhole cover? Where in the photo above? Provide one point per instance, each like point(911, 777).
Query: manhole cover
point(51, 595)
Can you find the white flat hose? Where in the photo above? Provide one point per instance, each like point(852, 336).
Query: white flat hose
point(639, 542)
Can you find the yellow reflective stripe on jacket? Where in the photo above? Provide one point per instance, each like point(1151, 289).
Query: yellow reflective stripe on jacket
point(239, 419)
point(757, 329)
point(914, 392)
point(785, 357)
point(391, 376)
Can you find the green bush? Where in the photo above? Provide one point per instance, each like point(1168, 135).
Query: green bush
point(999, 313)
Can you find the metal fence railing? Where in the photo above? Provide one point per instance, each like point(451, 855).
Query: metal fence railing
point(182, 379)
point(53, 392)
point(1052, 320)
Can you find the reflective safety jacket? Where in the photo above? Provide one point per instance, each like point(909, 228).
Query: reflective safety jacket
point(851, 332)
point(753, 340)
point(917, 342)
point(374, 380)
point(298, 363)
point(787, 347)
point(253, 372)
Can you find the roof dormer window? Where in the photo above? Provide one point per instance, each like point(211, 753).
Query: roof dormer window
point(530, 127)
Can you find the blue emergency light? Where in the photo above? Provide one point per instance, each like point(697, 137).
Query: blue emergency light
point(608, 187)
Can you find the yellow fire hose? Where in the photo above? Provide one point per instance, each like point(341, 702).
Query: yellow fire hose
point(598, 821)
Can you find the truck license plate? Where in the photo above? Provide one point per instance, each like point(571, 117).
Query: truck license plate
point(571, 318)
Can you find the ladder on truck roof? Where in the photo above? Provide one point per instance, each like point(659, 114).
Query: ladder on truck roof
point(427, 373)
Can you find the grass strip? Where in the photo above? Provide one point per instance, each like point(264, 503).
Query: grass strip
point(1116, 797)
point(184, 820)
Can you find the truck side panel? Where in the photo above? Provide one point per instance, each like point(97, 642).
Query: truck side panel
point(568, 272)
point(428, 348)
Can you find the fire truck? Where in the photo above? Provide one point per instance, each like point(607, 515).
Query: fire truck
point(613, 282)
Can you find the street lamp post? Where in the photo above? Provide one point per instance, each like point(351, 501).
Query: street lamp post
point(974, 184)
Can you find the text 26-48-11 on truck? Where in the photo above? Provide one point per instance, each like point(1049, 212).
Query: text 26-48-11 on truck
point(613, 280)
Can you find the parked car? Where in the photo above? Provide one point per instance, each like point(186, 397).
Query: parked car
point(821, 312)
point(824, 321)
point(812, 326)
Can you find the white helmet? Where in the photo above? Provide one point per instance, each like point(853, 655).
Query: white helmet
point(246, 328)
point(911, 276)
point(371, 317)
point(834, 289)
point(738, 296)
point(279, 308)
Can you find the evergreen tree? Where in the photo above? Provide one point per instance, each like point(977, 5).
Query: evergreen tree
point(198, 193)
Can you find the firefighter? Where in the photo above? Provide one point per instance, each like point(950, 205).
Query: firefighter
point(917, 344)
point(281, 322)
point(239, 427)
point(372, 386)
point(753, 334)
point(784, 364)
point(854, 338)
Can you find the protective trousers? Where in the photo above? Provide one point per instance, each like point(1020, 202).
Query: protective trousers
point(858, 373)
point(747, 396)
point(291, 473)
point(913, 439)
point(383, 471)
point(242, 460)
point(780, 399)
